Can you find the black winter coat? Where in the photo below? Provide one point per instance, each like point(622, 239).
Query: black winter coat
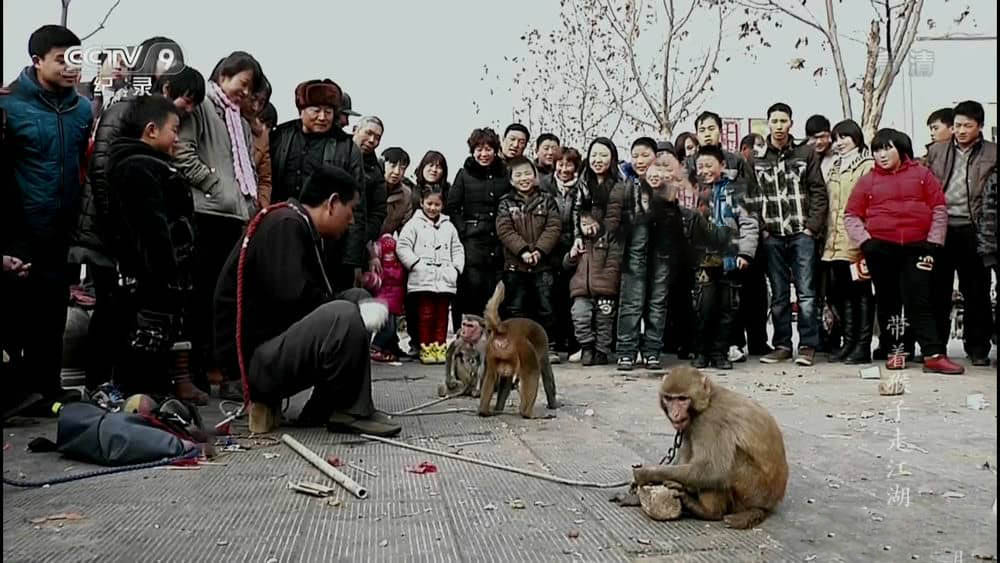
point(152, 215)
point(472, 207)
point(376, 194)
point(94, 232)
point(283, 279)
point(340, 151)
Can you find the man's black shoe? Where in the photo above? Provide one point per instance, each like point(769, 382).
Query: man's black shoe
point(722, 363)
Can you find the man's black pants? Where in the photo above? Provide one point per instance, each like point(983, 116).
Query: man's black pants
point(960, 256)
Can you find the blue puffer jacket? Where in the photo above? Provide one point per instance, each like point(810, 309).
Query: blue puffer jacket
point(47, 135)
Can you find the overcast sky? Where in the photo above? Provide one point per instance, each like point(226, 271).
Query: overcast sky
point(418, 64)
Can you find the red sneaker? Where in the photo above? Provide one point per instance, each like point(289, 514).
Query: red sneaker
point(895, 361)
point(941, 364)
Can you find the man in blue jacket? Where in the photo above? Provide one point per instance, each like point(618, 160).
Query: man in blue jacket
point(47, 128)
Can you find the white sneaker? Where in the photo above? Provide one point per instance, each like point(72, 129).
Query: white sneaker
point(736, 354)
point(574, 358)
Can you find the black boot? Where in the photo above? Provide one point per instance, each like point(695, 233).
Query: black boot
point(721, 361)
point(848, 329)
point(865, 326)
point(600, 359)
point(700, 361)
point(587, 356)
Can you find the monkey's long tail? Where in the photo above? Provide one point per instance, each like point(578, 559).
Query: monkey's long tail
point(492, 313)
point(518, 470)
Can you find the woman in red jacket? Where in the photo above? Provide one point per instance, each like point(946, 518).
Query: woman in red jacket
point(898, 217)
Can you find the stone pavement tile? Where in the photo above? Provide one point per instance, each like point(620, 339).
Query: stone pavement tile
point(244, 512)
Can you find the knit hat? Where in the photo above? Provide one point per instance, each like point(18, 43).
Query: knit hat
point(387, 244)
point(317, 92)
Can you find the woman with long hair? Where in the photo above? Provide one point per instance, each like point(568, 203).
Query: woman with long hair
point(849, 290)
point(597, 251)
point(214, 153)
point(686, 146)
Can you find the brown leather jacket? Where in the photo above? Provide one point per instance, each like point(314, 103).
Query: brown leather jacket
point(526, 223)
point(941, 159)
point(262, 162)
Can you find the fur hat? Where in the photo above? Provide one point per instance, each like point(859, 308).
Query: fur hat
point(318, 93)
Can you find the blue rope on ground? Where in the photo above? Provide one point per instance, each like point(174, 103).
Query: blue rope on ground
point(192, 453)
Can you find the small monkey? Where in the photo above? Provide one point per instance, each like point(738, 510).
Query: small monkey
point(516, 349)
point(466, 359)
point(731, 465)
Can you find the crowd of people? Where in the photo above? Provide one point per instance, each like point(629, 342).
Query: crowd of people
point(201, 219)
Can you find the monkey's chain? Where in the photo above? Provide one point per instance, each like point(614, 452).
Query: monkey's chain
point(672, 452)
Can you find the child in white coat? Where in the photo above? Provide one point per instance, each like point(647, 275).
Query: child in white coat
point(430, 250)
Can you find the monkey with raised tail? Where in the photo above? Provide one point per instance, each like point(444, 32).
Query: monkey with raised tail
point(466, 359)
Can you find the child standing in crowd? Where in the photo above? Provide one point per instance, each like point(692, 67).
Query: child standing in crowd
point(561, 185)
point(432, 173)
point(528, 226)
point(850, 288)
point(898, 217)
point(678, 335)
point(154, 215)
point(633, 286)
point(391, 290)
point(597, 252)
point(472, 202)
point(717, 275)
point(655, 238)
point(431, 251)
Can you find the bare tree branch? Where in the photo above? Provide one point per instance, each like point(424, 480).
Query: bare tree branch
point(628, 40)
point(100, 26)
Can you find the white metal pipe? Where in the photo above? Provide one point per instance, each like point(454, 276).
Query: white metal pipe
point(330, 471)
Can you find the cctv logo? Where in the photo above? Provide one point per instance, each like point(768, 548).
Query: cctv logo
point(127, 57)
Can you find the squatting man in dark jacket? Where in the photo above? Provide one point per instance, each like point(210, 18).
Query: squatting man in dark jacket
point(295, 332)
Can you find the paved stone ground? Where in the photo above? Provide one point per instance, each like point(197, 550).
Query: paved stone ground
point(837, 429)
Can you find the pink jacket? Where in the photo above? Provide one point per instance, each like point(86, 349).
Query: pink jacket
point(393, 288)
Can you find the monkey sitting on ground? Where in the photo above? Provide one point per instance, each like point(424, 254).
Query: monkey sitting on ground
point(731, 464)
point(466, 359)
point(516, 348)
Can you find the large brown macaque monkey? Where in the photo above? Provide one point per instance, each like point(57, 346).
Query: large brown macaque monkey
point(731, 464)
point(518, 348)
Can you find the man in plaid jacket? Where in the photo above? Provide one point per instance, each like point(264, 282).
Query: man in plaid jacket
point(792, 206)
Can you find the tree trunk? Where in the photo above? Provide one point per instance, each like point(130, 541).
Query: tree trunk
point(868, 83)
point(838, 62)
